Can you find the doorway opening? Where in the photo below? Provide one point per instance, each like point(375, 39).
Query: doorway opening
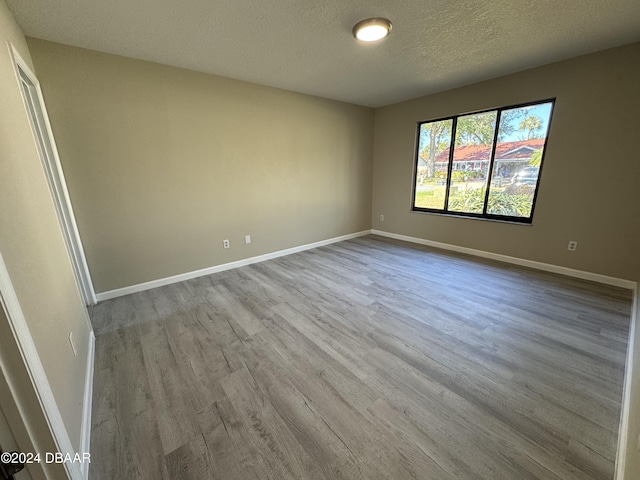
point(53, 169)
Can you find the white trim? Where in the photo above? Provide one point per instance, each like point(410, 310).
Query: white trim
point(55, 176)
point(10, 423)
point(547, 267)
point(623, 431)
point(85, 435)
point(619, 282)
point(140, 287)
point(36, 371)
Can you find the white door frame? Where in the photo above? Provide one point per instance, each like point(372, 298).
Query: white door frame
point(8, 443)
point(22, 336)
point(41, 128)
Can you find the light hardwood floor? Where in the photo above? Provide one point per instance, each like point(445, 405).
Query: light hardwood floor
point(366, 359)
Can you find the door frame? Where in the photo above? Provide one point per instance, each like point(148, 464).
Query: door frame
point(48, 151)
point(10, 420)
point(42, 388)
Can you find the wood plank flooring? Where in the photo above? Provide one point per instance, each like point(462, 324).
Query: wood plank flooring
point(366, 359)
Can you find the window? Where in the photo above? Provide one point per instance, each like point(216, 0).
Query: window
point(484, 164)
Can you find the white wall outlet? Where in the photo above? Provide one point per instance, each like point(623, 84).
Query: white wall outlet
point(572, 246)
point(226, 244)
point(382, 218)
point(73, 345)
point(247, 239)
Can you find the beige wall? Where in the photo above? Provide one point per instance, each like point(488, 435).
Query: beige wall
point(589, 189)
point(163, 164)
point(32, 244)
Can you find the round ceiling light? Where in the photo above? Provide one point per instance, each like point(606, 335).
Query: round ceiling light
point(372, 29)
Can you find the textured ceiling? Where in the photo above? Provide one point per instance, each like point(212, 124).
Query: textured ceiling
point(306, 46)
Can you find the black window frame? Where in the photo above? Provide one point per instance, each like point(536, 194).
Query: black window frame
point(484, 215)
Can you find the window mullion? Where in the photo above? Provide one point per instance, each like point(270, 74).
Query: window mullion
point(452, 142)
point(491, 162)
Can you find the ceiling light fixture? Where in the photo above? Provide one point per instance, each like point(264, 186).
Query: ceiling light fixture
point(372, 29)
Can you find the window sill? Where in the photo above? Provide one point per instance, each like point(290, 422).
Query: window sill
point(525, 222)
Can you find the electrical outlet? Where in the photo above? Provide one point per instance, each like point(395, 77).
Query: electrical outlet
point(382, 218)
point(247, 239)
point(225, 243)
point(572, 246)
point(73, 345)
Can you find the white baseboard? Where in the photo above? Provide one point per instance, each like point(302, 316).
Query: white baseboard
point(547, 267)
point(140, 287)
point(85, 436)
point(625, 425)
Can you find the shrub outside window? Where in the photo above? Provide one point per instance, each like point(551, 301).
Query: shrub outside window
point(485, 164)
